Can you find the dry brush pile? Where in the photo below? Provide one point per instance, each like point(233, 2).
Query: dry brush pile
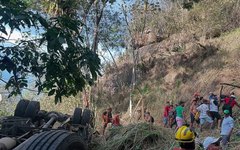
point(137, 137)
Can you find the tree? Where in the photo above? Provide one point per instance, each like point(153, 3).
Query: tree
point(58, 58)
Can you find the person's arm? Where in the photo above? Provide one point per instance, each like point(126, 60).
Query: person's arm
point(231, 124)
point(184, 116)
point(237, 104)
point(191, 109)
point(230, 132)
point(198, 108)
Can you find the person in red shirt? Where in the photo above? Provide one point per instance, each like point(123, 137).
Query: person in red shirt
point(166, 114)
point(116, 119)
point(229, 103)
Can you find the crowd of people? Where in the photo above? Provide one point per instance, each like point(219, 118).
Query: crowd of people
point(202, 112)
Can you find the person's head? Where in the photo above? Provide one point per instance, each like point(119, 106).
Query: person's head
point(196, 95)
point(205, 101)
point(181, 103)
point(167, 103)
point(211, 93)
point(148, 113)
point(226, 113)
point(104, 113)
point(186, 138)
point(194, 101)
point(117, 113)
point(211, 143)
point(171, 106)
point(109, 109)
point(233, 96)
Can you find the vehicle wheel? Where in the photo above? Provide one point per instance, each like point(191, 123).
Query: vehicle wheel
point(21, 108)
point(77, 116)
point(32, 109)
point(86, 117)
point(53, 140)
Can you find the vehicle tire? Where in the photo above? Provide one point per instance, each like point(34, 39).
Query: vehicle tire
point(21, 108)
point(53, 140)
point(86, 117)
point(32, 109)
point(77, 116)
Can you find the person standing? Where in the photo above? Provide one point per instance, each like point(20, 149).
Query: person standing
point(166, 114)
point(204, 114)
point(180, 114)
point(105, 121)
point(226, 128)
point(109, 114)
point(229, 103)
point(171, 116)
point(196, 97)
point(214, 109)
point(116, 119)
point(193, 112)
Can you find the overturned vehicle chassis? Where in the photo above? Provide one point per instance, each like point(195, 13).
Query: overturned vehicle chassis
point(31, 128)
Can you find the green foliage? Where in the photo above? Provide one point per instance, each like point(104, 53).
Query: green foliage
point(58, 59)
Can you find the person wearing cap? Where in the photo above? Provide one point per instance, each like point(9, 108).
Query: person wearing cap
point(226, 128)
point(186, 138)
point(211, 143)
point(204, 114)
point(229, 103)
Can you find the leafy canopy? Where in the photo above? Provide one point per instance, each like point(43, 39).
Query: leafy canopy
point(58, 59)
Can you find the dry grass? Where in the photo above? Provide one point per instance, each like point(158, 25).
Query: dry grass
point(137, 137)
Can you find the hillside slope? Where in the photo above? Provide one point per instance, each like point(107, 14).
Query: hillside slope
point(176, 68)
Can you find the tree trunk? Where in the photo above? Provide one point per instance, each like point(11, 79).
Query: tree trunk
point(98, 17)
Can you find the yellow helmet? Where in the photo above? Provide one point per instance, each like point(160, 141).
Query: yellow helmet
point(185, 135)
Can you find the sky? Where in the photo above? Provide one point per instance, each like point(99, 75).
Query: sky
point(16, 35)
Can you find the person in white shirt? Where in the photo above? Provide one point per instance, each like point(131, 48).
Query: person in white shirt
point(226, 128)
point(204, 114)
point(214, 109)
point(212, 143)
